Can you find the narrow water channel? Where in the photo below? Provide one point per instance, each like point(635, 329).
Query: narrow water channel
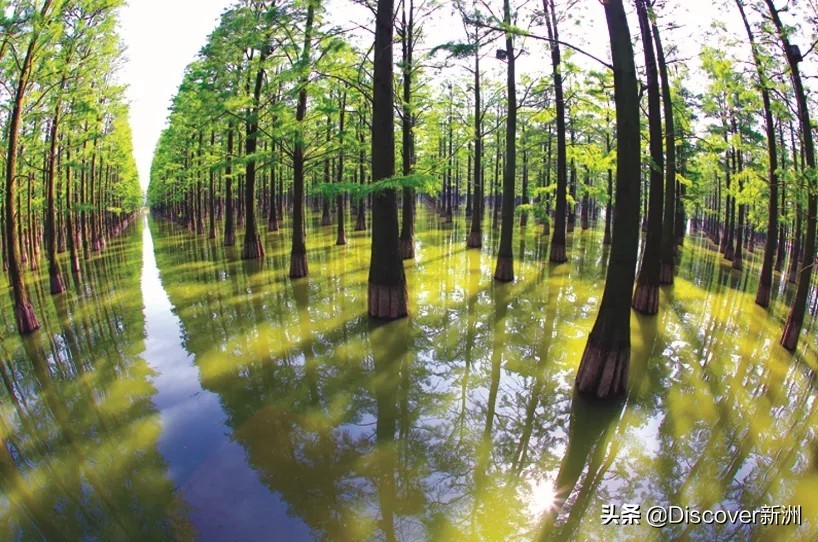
point(208, 469)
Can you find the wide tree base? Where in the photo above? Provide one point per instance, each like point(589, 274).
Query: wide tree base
point(789, 339)
point(273, 225)
point(557, 253)
point(737, 263)
point(229, 239)
point(504, 272)
point(763, 295)
point(646, 298)
point(407, 249)
point(26, 320)
point(298, 266)
point(341, 240)
point(56, 282)
point(606, 238)
point(387, 302)
point(253, 248)
point(360, 223)
point(603, 371)
point(665, 273)
point(546, 228)
point(729, 253)
point(326, 220)
point(212, 234)
point(474, 240)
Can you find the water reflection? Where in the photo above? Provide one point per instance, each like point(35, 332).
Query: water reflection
point(215, 399)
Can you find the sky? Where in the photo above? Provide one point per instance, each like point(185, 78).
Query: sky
point(162, 37)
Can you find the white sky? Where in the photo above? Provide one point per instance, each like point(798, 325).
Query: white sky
point(162, 37)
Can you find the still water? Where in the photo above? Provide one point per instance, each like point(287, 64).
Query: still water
point(179, 393)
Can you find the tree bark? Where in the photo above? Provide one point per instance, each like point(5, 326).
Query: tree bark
point(387, 297)
point(603, 371)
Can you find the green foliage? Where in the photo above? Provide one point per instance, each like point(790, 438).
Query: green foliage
point(420, 183)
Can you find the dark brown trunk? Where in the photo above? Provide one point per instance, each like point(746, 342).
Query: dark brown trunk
point(229, 213)
point(407, 232)
point(603, 371)
point(646, 296)
point(387, 298)
point(298, 254)
point(795, 319)
point(504, 272)
point(558, 254)
point(667, 252)
point(253, 247)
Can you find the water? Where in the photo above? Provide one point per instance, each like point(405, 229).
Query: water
point(178, 392)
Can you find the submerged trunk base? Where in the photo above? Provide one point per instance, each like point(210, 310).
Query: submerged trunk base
point(474, 240)
point(407, 249)
point(646, 298)
point(298, 266)
point(253, 248)
point(792, 329)
point(546, 228)
point(360, 222)
point(387, 302)
point(26, 319)
point(737, 263)
point(229, 239)
point(763, 295)
point(557, 253)
point(504, 272)
point(603, 371)
point(273, 225)
point(56, 282)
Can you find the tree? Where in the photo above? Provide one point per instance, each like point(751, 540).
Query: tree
point(504, 272)
point(387, 280)
point(603, 371)
point(558, 237)
point(795, 319)
point(646, 296)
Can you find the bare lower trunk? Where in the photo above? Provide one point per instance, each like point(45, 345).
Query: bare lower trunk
point(387, 302)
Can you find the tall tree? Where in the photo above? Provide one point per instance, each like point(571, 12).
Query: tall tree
point(646, 296)
point(795, 319)
point(504, 272)
point(603, 371)
point(558, 254)
point(298, 254)
point(387, 297)
point(23, 310)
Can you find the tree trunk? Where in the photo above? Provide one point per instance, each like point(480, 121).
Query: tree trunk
point(407, 232)
point(646, 296)
point(229, 213)
point(253, 247)
point(387, 297)
point(504, 272)
point(298, 254)
point(603, 371)
point(475, 238)
point(667, 252)
point(795, 320)
point(558, 254)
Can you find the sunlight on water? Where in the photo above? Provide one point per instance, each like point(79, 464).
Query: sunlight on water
point(217, 399)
